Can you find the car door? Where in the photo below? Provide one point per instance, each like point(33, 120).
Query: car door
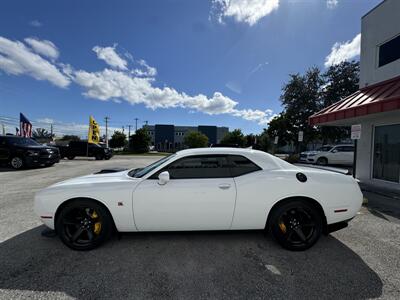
point(4, 149)
point(348, 155)
point(200, 195)
point(335, 155)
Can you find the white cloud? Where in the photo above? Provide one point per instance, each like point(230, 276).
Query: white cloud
point(17, 59)
point(247, 11)
point(344, 51)
point(135, 86)
point(43, 47)
point(147, 72)
point(112, 84)
point(331, 4)
point(110, 56)
point(35, 23)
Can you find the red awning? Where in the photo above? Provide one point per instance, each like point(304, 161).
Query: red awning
point(380, 97)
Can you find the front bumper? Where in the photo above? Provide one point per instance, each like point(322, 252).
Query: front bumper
point(32, 161)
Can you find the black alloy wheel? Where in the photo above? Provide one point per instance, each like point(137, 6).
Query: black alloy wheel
point(296, 225)
point(84, 224)
point(17, 163)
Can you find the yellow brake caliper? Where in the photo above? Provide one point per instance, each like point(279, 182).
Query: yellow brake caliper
point(282, 226)
point(97, 225)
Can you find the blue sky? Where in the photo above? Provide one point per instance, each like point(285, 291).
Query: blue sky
point(177, 62)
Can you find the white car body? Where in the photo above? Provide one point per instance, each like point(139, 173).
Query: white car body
point(338, 155)
point(243, 202)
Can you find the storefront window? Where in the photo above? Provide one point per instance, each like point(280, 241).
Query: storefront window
point(387, 153)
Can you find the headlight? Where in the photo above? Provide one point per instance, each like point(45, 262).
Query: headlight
point(33, 153)
point(311, 155)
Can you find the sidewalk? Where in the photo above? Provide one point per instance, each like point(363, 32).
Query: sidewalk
point(383, 201)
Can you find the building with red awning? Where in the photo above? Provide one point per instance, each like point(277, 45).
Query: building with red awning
point(376, 105)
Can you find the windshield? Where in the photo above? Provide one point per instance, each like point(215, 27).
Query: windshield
point(23, 142)
point(324, 148)
point(137, 173)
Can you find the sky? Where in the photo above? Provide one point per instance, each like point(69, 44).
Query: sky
point(182, 62)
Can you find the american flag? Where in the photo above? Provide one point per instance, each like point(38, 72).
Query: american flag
point(25, 127)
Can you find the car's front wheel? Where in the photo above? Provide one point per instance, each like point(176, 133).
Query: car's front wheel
point(84, 224)
point(17, 163)
point(322, 161)
point(296, 225)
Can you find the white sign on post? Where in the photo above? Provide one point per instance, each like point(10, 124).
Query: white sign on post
point(301, 135)
point(276, 140)
point(356, 132)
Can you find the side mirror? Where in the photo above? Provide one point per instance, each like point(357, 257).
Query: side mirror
point(335, 151)
point(163, 178)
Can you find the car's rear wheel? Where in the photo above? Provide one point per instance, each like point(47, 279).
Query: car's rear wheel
point(84, 224)
point(296, 225)
point(99, 157)
point(70, 157)
point(17, 163)
point(322, 161)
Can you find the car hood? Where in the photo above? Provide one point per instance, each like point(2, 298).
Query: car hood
point(96, 179)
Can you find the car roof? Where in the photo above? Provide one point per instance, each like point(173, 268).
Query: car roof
point(262, 159)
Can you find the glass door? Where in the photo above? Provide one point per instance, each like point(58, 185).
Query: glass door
point(387, 153)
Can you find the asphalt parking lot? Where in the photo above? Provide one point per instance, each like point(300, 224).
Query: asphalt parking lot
point(361, 261)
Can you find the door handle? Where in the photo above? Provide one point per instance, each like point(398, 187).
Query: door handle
point(224, 186)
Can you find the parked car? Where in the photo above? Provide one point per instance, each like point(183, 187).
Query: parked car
point(337, 155)
point(308, 156)
point(20, 152)
point(202, 189)
point(83, 148)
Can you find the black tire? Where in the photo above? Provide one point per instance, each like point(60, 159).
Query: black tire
point(322, 161)
point(84, 224)
point(17, 163)
point(296, 225)
point(70, 157)
point(99, 157)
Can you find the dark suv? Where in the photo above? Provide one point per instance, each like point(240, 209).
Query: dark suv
point(22, 152)
point(83, 148)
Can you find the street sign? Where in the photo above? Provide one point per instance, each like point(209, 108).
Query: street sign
point(301, 135)
point(356, 132)
point(276, 140)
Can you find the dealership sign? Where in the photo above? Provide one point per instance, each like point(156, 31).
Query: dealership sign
point(356, 132)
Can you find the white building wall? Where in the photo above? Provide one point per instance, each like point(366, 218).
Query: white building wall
point(378, 26)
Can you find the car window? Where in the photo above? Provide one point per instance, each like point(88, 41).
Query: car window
point(138, 173)
point(241, 165)
point(200, 166)
point(348, 149)
point(22, 141)
point(324, 148)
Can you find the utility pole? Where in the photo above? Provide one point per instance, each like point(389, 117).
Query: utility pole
point(123, 129)
point(51, 132)
point(136, 119)
point(106, 119)
point(129, 134)
point(4, 128)
point(145, 123)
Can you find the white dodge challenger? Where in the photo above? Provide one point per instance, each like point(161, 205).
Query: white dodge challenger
point(202, 189)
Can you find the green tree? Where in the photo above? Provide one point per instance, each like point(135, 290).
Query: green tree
point(341, 81)
point(301, 98)
point(234, 138)
point(118, 139)
point(70, 138)
point(195, 139)
point(140, 141)
point(264, 142)
point(41, 133)
point(280, 127)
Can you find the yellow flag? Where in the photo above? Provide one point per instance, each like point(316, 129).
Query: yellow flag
point(94, 131)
